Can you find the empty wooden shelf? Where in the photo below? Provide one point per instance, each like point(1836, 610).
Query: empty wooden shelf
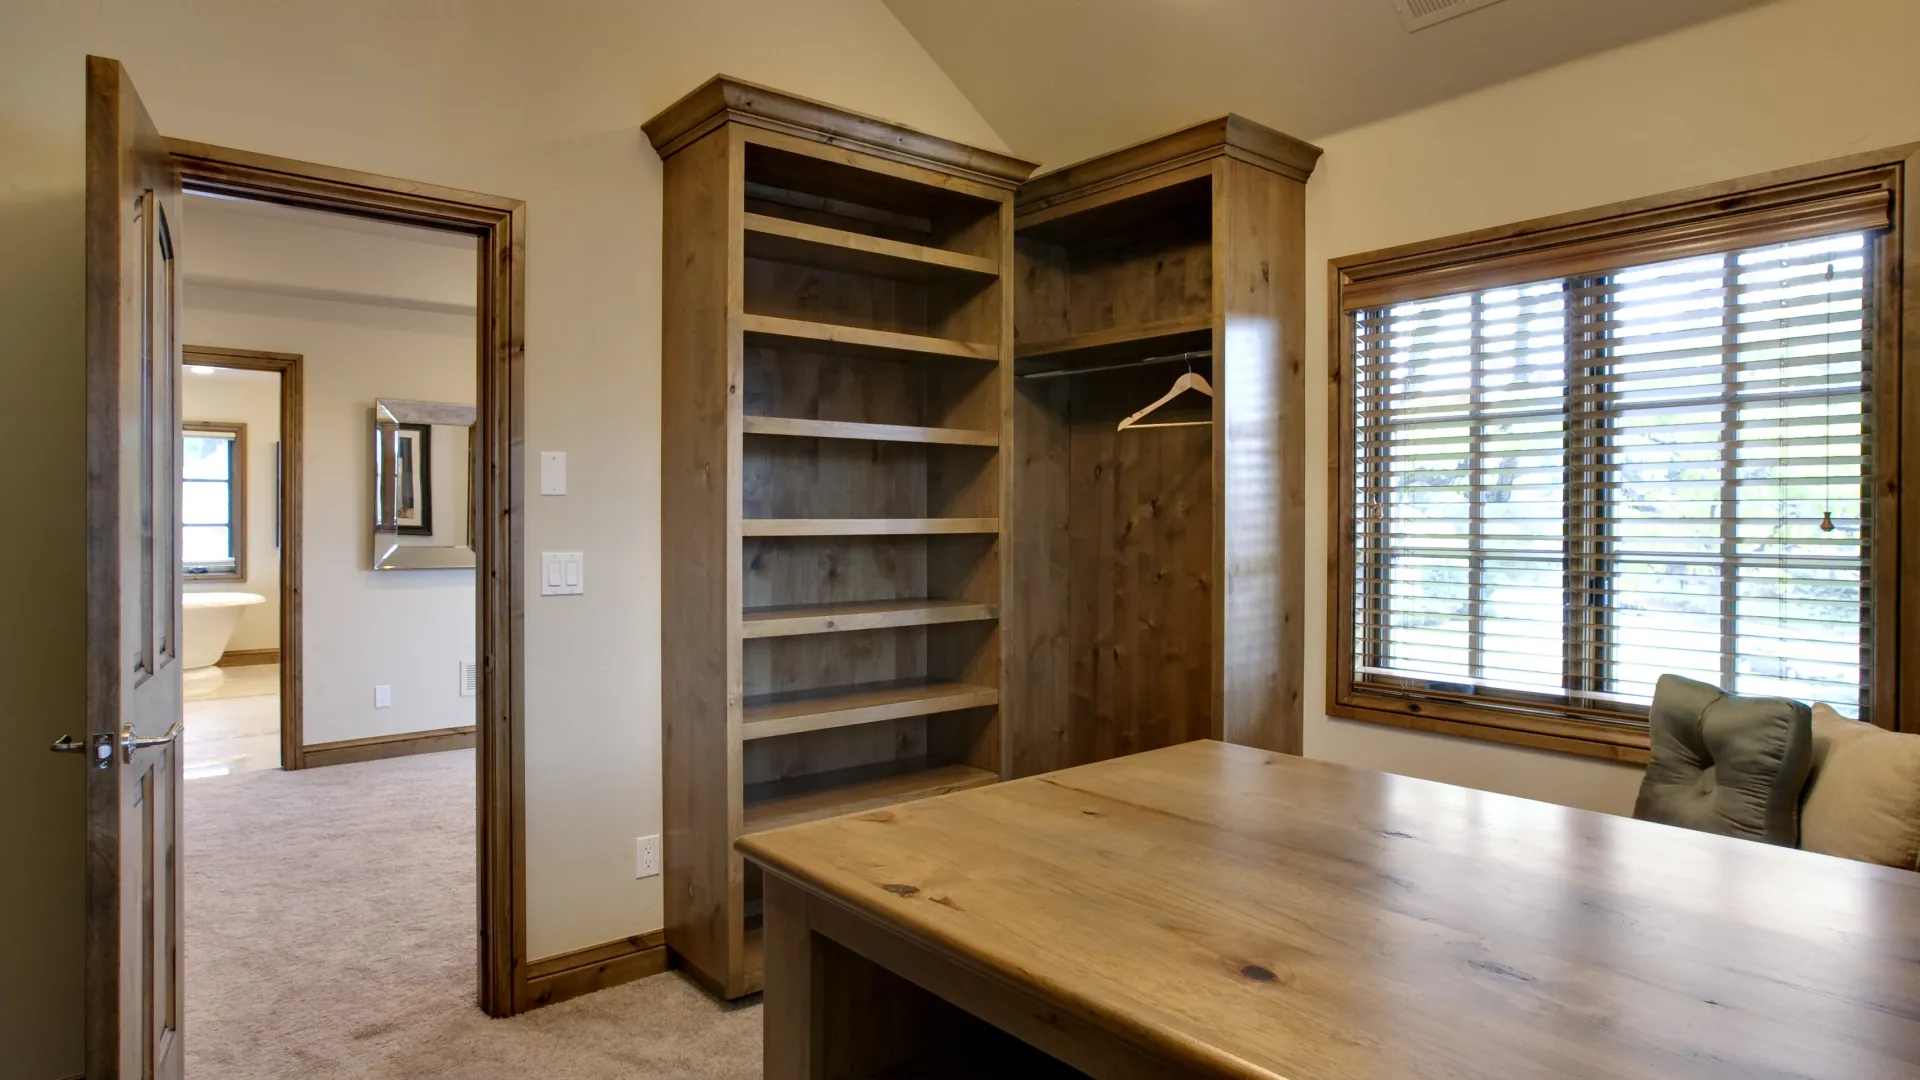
point(785, 240)
point(849, 429)
point(791, 712)
point(778, 803)
point(866, 526)
point(1189, 332)
point(837, 373)
point(830, 618)
point(862, 340)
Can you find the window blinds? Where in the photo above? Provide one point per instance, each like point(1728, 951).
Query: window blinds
point(1568, 487)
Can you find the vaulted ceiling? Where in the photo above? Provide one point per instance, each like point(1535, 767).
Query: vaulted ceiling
point(1065, 79)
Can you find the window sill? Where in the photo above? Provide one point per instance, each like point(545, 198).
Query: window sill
point(189, 579)
point(1566, 735)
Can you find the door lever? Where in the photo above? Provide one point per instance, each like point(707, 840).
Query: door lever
point(100, 746)
point(129, 742)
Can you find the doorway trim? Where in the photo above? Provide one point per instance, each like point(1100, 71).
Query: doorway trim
point(292, 454)
point(500, 225)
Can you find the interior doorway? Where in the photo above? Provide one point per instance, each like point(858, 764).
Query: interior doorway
point(241, 521)
point(136, 180)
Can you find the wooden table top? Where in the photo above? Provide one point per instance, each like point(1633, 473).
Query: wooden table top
point(1258, 915)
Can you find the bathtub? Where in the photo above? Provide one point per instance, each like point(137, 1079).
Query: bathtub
point(207, 622)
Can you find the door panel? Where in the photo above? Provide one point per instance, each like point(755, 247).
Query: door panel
point(133, 589)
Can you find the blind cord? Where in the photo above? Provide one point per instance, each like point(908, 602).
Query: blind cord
point(1826, 411)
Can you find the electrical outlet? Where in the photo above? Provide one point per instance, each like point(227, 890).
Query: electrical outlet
point(383, 697)
point(646, 856)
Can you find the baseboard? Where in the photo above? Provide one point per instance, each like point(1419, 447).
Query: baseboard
point(348, 751)
point(248, 657)
point(595, 967)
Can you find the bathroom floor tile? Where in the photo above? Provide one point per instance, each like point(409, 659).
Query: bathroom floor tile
point(233, 720)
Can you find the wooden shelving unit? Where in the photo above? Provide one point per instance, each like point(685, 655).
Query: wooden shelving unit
point(838, 380)
point(1176, 555)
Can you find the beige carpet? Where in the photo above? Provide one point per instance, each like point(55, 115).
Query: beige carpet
point(330, 934)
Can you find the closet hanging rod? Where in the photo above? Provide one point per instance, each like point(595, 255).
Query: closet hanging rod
point(1174, 358)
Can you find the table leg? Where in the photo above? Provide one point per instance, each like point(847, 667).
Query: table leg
point(788, 1008)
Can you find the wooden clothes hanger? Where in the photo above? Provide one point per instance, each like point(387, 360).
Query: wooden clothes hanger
point(1186, 382)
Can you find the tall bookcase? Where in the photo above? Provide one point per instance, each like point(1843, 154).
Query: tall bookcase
point(837, 370)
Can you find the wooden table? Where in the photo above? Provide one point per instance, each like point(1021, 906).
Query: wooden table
point(1213, 910)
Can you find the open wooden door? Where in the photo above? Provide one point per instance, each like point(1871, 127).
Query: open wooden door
point(133, 590)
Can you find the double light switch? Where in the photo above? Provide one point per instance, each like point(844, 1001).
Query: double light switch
point(562, 573)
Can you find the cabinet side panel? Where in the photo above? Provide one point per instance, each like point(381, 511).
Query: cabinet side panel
point(699, 788)
point(1033, 704)
point(1259, 477)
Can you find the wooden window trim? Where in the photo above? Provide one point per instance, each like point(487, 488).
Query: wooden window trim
point(236, 497)
point(1798, 203)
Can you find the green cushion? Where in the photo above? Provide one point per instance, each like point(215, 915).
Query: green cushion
point(1725, 764)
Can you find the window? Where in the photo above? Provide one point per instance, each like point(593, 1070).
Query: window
point(213, 538)
point(1615, 447)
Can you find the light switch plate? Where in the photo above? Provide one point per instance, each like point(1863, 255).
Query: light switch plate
point(562, 573)
point(553, 472)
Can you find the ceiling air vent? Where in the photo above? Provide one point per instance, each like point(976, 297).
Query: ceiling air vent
point(1420, 14)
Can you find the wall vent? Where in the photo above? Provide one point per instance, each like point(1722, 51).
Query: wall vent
point(1420, 14)
point(469, 678)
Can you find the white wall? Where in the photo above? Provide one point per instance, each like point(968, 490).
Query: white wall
point(226, 395)
point(541, 102)
point(1785, 84)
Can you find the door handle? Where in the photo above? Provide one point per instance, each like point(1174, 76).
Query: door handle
point(129, 742)
point(99, 748)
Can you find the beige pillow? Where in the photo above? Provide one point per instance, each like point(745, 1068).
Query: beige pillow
point(1863, 797)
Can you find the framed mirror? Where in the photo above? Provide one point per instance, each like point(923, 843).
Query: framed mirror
point(423, 484)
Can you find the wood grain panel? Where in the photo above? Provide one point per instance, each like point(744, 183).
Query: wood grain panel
point(798, 379)
point(1259, 472)
point(1035, 706)
point(700, 485)
point(1232, 912)
point(1140, 574)
point(784, 571)
point(788, 665)
point(790, 757)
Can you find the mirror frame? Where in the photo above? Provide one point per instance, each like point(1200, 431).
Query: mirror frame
point(389, 415)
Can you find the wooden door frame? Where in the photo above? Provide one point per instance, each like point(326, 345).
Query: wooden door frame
point(292, 456)
point(500, 225)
